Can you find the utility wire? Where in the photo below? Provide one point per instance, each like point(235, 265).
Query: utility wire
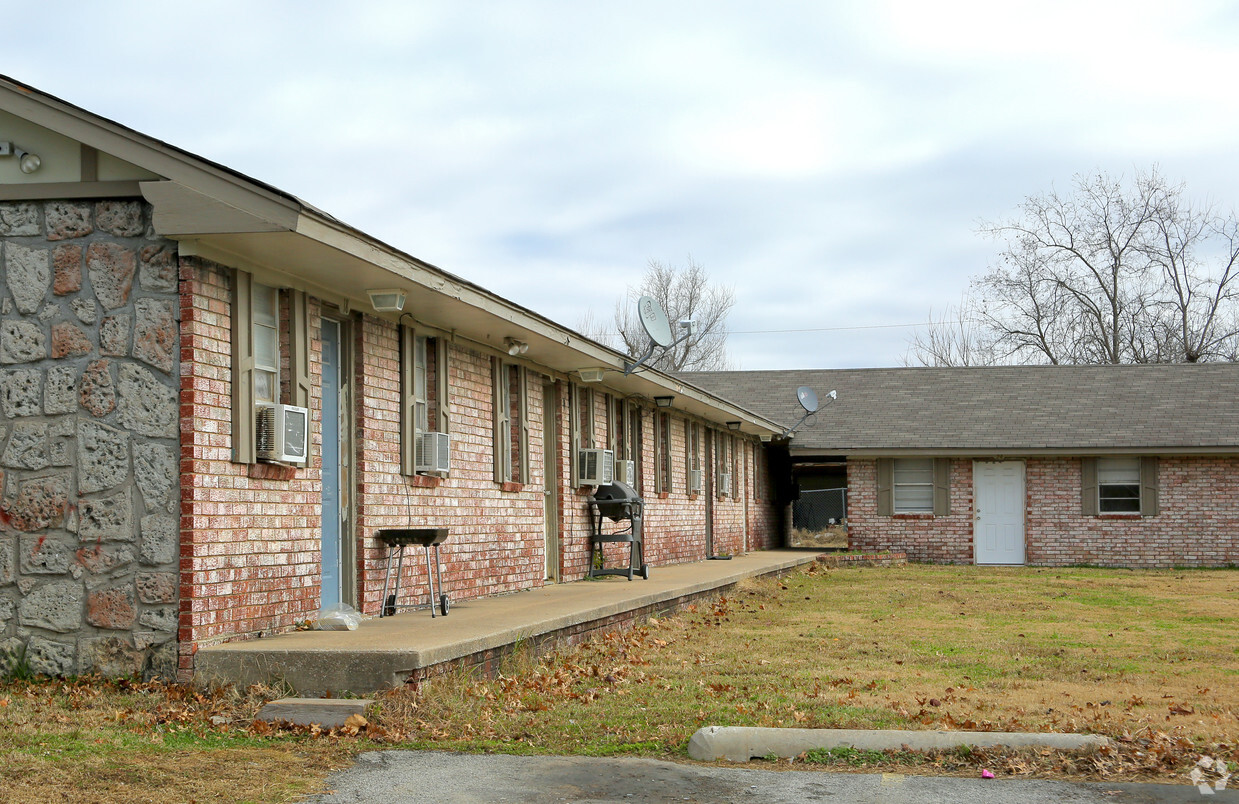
point(814, 329)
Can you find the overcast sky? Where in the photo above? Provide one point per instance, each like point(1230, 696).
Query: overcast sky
point(830, 160)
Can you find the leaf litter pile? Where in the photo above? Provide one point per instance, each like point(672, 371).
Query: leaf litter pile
point(1150, 659)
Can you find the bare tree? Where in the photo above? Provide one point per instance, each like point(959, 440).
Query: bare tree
point(955, 338)
point(685, 293)
point(1109, 273)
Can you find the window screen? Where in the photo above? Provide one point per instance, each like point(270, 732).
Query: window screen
point(1118, 485)
point(913, 485)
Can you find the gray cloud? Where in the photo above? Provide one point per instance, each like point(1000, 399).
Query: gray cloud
point(831, 161)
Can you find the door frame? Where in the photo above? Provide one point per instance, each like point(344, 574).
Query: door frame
point(707, 486)
point(976, 514)
point(551, 430)
point(349, 570)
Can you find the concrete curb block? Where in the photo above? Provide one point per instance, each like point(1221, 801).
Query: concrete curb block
point(328, 712)
point(742, 743)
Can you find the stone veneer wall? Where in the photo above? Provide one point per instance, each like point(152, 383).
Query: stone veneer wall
point(89, 366)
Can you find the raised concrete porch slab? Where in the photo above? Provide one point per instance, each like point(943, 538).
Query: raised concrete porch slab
point(391, 651)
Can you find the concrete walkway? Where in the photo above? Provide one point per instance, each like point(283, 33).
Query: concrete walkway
point(386, 652)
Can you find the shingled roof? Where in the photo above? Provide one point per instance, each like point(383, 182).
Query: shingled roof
point(1001, 410)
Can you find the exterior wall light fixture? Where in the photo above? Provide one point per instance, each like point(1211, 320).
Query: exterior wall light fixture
point(733, 425)
point(664, 401)
point(591, 374)
point(26, 161)
point(387, 300)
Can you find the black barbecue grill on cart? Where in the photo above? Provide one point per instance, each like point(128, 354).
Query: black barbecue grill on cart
point(396, 540)
point(618, 503)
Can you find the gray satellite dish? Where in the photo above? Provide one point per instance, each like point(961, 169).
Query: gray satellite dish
point(655, 321)
point(807, 398)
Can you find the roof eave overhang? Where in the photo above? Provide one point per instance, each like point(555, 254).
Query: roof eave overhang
point(224, 216)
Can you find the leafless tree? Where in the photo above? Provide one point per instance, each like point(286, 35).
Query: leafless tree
point(685, 293)
point(955, 338)
point(1109, 273)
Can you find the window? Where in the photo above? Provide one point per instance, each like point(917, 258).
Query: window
point(1125, 484)
point(266, 320)
point(267, 326)
point(913, 486)
point(511, 427)
point(585, 416)
point(692, 456)
point(423, 392)
point(634, 445)
point(662, 449)
point(1118, 485)
point(723, 459)
point(758, 473)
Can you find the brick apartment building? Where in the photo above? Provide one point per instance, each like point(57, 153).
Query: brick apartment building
point(165, 321)
point(1121, 466)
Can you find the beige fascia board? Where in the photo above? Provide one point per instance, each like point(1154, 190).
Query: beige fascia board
point(46, 191)
point(148, 153)
point(181, 211)
point(404, 267)
point(266, 274)
point(350, 241)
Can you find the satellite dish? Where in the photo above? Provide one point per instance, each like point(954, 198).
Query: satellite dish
point(807, 398)
point(655, 321)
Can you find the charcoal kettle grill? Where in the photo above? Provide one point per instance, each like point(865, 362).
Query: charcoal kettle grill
point(615, 516)
point(396, 539)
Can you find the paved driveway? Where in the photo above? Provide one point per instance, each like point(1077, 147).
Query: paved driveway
point(425, 777)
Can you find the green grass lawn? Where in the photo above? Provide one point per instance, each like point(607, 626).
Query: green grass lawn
point(1149, 658)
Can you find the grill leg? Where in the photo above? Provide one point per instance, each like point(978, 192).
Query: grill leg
point(443, 603)
point(430, 579)
point(389, 602)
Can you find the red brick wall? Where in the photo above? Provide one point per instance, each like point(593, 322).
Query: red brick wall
point(497, 537)
point(250, 557)
point(1198, 522)
point(943, 539)
point(249, 545)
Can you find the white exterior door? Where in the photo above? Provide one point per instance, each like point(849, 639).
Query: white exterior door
point(998, 526)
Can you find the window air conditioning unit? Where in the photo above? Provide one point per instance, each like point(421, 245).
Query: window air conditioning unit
point(433, 453)
point(595, 467)
point(694, 481)
point(724, 484)
point(282, 433)
point(626, 472)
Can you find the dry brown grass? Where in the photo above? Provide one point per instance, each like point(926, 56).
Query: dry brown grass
point(1148, 658)
point(834, 537)
point(98, 741)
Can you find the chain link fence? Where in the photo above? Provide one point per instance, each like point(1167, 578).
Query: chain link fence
point(819, 519)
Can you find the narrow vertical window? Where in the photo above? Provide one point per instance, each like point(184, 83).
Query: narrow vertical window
point(511, 423)
point(266, 334)
point(662, 452)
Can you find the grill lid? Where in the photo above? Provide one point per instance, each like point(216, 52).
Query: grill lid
point(616, 492)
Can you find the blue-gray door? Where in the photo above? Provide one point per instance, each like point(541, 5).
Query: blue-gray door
point(335, 477)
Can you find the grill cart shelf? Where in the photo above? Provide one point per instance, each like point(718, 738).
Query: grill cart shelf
point(396, 539)
point(619, 503)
